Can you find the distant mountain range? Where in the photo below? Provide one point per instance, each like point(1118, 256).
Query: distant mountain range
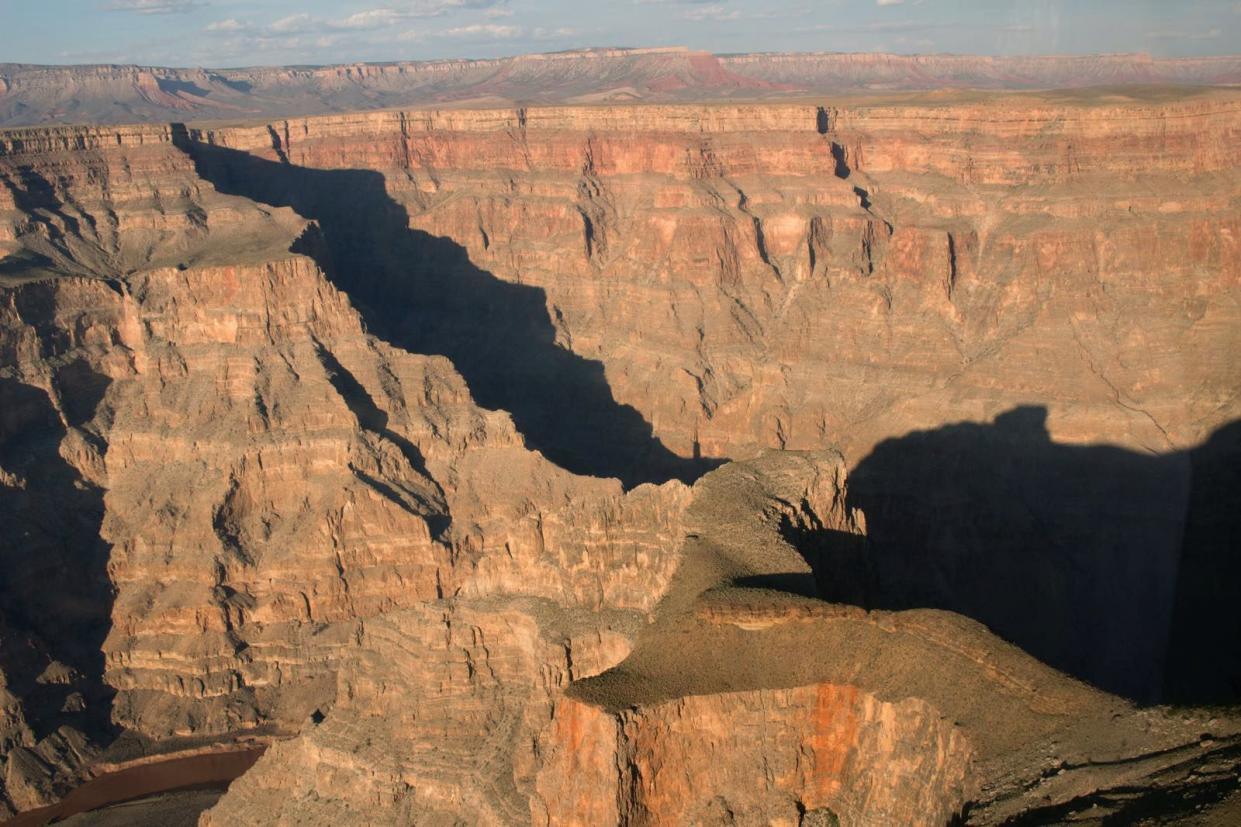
point(32, 94)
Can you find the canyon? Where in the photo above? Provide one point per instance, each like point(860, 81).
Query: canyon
point(849, 460)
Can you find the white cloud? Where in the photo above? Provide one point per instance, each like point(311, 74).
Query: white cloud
point(229, 25)
point(372, 19)
point(542, 33)
point(293, 23)
point(435, 8)
point(155, 6)
point(369, 19)
point(712, 12)
point(488, 31)
point(889, 2)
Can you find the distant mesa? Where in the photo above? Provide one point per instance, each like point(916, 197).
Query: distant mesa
point(125, 94)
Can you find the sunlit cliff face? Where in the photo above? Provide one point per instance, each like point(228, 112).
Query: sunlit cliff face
point(381, 432)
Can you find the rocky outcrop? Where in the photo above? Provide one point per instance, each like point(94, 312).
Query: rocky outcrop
point(377, 432)
point(791, 754)
point(434, 719)
point(739, 702)
point(874, 717)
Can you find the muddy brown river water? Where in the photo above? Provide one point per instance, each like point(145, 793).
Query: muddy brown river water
point(203, 770)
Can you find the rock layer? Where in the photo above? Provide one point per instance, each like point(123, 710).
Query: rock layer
point(377, 431)
point(747, 281)
point(819, 748)
point(267, 476)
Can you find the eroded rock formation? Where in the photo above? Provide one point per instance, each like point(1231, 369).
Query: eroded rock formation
point(748, 282)
point(274, 476)
point(384, 434)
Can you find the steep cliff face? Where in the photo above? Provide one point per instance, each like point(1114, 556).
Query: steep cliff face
point(259, 476)
point(435, 718)
point(874, 717)
point(376, 431)
point(739, 701)
point(818, 749)
point(750, 281)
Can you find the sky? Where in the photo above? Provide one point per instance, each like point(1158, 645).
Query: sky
point(225, 33)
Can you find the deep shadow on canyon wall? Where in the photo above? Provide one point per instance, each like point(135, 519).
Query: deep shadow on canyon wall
point(55, 593)
point(1120, 568)
point(422, 293)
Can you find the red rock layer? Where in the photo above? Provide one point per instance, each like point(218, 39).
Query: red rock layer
point(979, 255)
point(798, 751)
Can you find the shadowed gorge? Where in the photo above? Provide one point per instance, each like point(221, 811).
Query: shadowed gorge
point(1114, 566)
point(423, 294)
point(1204, 646)
point(55, 595)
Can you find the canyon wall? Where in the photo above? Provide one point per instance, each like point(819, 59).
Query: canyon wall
point(749, 281)
point(378, 431)
point(821, 748)
point(256, 477)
